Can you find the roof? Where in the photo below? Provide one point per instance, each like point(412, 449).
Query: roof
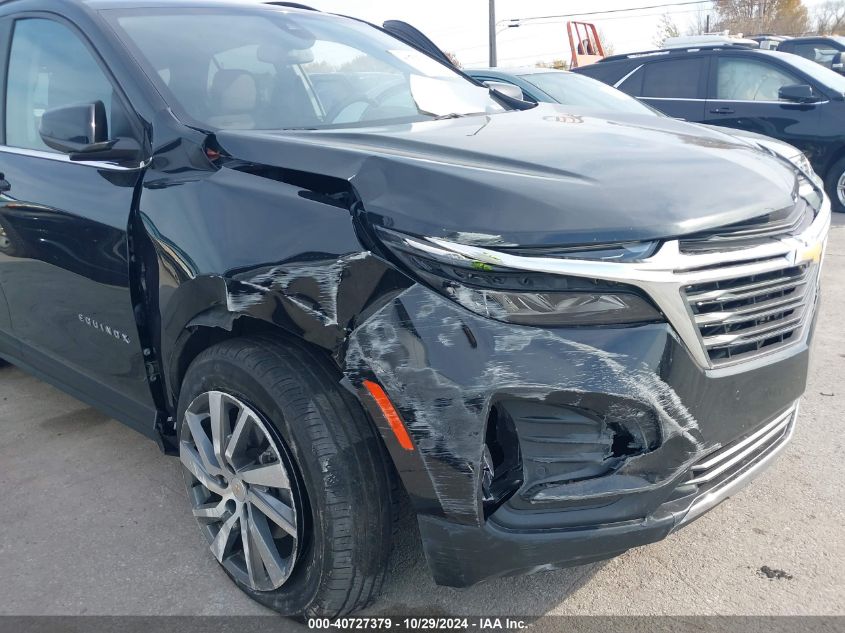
point(690, 49)
point(167, 4)
point(806, 38)
point(709, 39)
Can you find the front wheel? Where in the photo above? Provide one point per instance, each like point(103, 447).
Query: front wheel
point(286, 477)
point(834, 184)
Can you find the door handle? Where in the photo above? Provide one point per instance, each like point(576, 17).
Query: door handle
point(723, 110)
point(4, 184)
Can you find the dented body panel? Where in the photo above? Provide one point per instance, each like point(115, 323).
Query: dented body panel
point(432, 178)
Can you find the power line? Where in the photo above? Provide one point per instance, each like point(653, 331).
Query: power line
point(557, 23)
point(628, 10)
point(628, 17)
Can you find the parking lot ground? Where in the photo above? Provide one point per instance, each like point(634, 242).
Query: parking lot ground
point(95, 521)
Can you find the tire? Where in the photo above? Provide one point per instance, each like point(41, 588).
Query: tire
point(833, 184)
point(339, 477)
point(11, 243)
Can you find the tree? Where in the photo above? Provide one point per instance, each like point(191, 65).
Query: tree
point(606, 44)
point(783, 17)
point(558, 64)
point(454, 59)
point(830, 17)
point(698, 24)
point(666, 29)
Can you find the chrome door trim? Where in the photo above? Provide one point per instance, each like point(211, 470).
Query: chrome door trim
point(626, 77)
point(794, 103)
point(64, 158)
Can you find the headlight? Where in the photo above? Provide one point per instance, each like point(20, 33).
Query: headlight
point(801, 161)
point(527, 298)
point(810, 186)
point(793, 155)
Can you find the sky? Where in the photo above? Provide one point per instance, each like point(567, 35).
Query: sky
point(460, 26)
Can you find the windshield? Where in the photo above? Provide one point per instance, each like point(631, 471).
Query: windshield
point(267, 68)
point(575, 90)
point(824, 76)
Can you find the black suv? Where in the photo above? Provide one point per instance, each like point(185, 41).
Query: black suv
point(824, 50)
point(330, 273)
point(772, 93)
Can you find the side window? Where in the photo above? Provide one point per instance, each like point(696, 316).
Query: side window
point(633, 83)
point(804, 50)
point(751, 80)
point(49, 67)
point(674, 78)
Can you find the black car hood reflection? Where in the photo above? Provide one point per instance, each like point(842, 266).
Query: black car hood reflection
point(546, 176)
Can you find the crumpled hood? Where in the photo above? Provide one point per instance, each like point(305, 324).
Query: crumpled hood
point(546, 176)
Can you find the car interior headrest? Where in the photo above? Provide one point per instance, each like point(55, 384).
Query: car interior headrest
point(282, 56)
point(233, 92)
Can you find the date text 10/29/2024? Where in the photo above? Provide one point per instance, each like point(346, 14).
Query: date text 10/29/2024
point(418, 623)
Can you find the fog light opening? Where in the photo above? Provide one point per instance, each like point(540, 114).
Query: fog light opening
point(501, 462)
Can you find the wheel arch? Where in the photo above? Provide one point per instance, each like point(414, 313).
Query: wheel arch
point(835, 156)
point(214, 327)
point(219, 323)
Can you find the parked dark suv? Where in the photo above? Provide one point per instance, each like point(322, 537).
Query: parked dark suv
point(331, 273)
point(776, 94)
point(825, 50)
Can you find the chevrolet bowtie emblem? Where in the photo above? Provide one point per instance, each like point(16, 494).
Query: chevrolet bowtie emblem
point(811, 253)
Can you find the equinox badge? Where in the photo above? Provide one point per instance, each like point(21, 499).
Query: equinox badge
point(105, 329)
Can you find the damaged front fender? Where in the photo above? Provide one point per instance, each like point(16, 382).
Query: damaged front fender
point(445, 370)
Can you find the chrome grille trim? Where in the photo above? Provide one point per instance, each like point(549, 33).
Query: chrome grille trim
point(713, 466)
point(717, 491)
point(739, 325)
point(668, 272)
point(755, 310)
point(748, 291)
point(755, 334)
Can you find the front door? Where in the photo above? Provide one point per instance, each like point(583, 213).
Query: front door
point(744, 95)
point(64, 260)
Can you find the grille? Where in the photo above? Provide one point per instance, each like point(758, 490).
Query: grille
point(732, 459)
point(745, 316)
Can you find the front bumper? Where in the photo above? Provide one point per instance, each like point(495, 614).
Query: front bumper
point(461, 556)
point(448, 380)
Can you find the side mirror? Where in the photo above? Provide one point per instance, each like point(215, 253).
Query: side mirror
point(800, 93)
point(75, 128)
point(509, 90)
point(81, 131)
point(837, 65)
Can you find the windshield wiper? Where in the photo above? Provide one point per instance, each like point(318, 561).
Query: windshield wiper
point(458, 115)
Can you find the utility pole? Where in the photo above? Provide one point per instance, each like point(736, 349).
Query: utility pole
point(492, 33)
point(707, 28)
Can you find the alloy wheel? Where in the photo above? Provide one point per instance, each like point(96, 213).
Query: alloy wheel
point(5, 242)
point(840, 189)
point(241, 489)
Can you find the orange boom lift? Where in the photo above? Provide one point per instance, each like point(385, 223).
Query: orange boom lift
point(585, 43)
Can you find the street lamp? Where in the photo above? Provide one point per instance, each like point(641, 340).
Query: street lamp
point(492, 33)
